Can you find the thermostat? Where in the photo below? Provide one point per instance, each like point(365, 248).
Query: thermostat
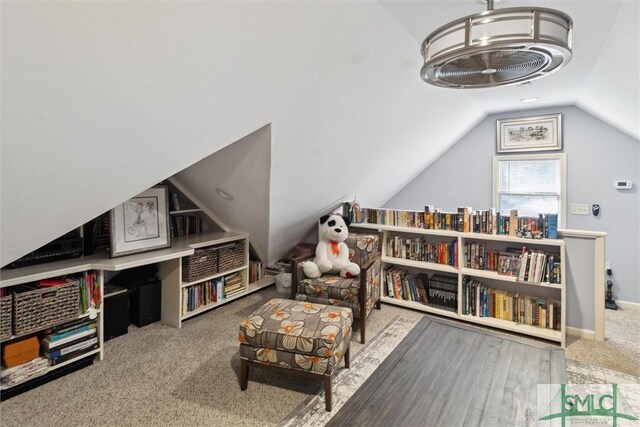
point(623, 185)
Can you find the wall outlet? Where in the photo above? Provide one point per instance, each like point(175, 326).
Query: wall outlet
point(579, 208)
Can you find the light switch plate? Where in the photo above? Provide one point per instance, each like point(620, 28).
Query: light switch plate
point(579, 208)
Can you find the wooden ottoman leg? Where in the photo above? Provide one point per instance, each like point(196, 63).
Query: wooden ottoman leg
point(244, 373)
point(327, 392)
point(347, 355)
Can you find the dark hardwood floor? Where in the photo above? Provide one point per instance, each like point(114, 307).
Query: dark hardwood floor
point(447, 374)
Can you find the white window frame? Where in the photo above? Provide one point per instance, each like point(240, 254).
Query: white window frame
point(563, 178)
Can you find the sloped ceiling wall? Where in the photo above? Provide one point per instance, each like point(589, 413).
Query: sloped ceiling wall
point(103, 100)
point(234, 184)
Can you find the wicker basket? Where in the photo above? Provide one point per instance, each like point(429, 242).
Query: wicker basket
point(231, 256)
point(41, 308)
point(5, 317)
point(203, 263)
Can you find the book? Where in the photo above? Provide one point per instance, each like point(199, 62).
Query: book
point(64, 327)
point(47, 344)
point(66, 350)
point(88, 325)
point(72, 355)
point(513, 222)
point(552, 226)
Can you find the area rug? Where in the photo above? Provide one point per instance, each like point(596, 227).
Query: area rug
point(312, 411)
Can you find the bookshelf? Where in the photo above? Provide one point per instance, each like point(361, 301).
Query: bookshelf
point(91, 312)
point(179, 295)
point(187, 214)
point(169, 262)
point(396, 239)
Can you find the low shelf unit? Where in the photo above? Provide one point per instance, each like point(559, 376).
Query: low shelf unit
point(79, 335)
point(184, 298)
point(474, 270)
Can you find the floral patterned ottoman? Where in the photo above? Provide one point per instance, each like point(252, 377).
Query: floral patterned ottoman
point(297, 337)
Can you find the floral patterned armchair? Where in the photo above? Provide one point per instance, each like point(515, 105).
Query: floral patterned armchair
point(360, 293)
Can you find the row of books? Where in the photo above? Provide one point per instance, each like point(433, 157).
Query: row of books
point(439, 291)
point(527, 266)
point(420, 249)
point(211, 291)
point(69, 340)
point(465, 219)
point(184, 225)
point(256, 270)
point(90, 295)
point(483, 301)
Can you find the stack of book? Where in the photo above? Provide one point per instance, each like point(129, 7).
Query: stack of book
point(69, 340)
point(277, 268)
point(233, 285)
point(24, 372)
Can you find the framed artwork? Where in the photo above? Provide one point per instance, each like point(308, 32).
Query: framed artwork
point(141, 223)
point(536, 133)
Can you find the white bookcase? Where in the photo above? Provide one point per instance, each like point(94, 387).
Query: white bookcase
point(55, 270)
point(492, 279)
point(173, 303)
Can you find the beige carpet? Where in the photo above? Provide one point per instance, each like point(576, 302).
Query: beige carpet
point(620, 351)
point(162, 376)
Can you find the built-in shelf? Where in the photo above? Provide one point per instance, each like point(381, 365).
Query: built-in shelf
point(495, 282)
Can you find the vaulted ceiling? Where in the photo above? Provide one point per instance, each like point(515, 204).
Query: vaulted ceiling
point(102, 100)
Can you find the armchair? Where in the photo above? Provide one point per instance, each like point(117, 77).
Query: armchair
point(360, 293)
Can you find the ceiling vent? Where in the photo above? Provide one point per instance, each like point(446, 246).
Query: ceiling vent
point(497, 47)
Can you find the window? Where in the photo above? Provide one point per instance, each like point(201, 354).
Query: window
point(532, 184)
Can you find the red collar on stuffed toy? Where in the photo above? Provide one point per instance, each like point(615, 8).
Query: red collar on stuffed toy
point(334, 247)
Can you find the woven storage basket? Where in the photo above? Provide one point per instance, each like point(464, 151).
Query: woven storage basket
point(5, 317)
point(231, 256)
point(203, 263)
point(41, 308)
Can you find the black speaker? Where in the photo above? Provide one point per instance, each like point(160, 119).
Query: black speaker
point(116, 312)
point(145, 303)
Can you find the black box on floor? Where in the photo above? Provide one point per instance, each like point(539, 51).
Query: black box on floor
point(145, 293)
point(145, 303)
point(116, 311)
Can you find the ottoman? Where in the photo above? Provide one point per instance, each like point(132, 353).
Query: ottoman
point(296, 337)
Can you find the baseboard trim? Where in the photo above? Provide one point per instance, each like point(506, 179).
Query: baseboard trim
point(628, 305)
point(581, 333)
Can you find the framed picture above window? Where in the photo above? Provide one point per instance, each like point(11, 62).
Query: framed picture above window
point(141, 223)
point(535, 133)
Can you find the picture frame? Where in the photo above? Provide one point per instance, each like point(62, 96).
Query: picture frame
point(534, 133)
point(141, 223)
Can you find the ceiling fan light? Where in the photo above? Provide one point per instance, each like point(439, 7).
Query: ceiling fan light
point(521, 44)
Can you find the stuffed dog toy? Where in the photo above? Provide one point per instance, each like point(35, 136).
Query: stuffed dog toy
point(332, 254)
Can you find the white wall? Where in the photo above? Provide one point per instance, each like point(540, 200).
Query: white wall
point(103, 100)
point(243, 171)
point(597, 155)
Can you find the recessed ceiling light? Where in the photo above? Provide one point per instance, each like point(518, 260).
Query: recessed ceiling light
point(534, 99)
point(224, 194)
